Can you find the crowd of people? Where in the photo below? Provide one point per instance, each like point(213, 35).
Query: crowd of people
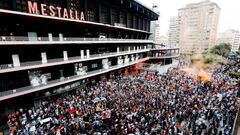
point(169, 104)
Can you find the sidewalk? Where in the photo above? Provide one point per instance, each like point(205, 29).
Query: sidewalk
point(163, 69)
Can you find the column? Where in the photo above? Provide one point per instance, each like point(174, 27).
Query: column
point(61, 75)
point(134, 48)
point(88, 53)
point(60, 37)
point(129, 48)
point(118, 49)
point(44, 57)
point(50, 37)
point(145, 47)
point(16, 61)
point(65, 55)
point(82, 54)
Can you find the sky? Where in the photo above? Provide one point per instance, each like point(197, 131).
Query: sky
point(229, 14)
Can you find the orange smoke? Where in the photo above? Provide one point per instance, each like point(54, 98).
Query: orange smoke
point(197, 69)
point(204, 76)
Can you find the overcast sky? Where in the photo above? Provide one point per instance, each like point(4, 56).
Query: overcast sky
point(229, 15)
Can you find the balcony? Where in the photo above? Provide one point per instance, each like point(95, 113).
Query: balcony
point(60, 61)
point(15, 40)
point(165, 48)
point(50, 84)
point(167, 56)
point(53, 83)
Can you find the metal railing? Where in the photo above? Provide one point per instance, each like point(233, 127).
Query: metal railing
point(165, 48)
point(167, 55)
point(66, 79)
point(88, 74)
point(63, 39)
point(70, 60)
point(236, 125)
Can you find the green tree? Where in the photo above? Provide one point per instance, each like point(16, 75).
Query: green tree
point(221, 49)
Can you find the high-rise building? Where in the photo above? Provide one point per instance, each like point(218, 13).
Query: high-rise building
point(231, 37)
point(163, 40)
point(198, 23)
point(173, 33)
point(155, 27)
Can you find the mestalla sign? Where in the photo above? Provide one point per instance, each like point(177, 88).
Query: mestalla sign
point(35, 8)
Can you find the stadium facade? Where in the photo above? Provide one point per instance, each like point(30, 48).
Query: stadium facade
point(49, 48)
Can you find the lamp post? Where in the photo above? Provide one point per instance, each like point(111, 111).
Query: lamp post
point(118, 81)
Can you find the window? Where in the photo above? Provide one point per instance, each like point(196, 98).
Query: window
point(135, 22)
point(105, 18)
point(115, 16)
point(21, 5)
point(123, 18)
point(92, 10)
point(144, 25)
point(129, 21)
point(140, 24)
point(95, 65)
point(91, 16)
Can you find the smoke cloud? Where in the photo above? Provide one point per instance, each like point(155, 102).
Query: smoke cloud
point(200, 66)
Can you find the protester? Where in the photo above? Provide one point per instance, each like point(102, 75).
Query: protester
point(170, 104)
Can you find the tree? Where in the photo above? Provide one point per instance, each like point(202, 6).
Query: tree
point(221, 49)
point(235, 74)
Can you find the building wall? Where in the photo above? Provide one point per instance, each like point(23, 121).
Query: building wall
point(236, 44)
point(155, 27)
point(124, 13)
point(198, 24)
point(173, 31)
point(155, 30)
point(231, 37)
point(17, 27)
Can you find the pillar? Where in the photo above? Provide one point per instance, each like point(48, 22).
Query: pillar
point(44, 57)
point(61, 74)
point(88, 53)
point(50, 37)
point(82, 54)
point(118, 49)
point(60, 37)
point(129, 48)
point(65, 55)
point(16, 61)
point(134, 48)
